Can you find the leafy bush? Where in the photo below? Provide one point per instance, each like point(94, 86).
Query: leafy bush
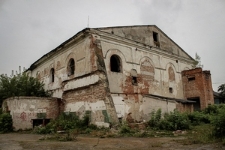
point(197, 118)
point(218, 121)
point(155, 119)
point(175, 121)
point(125, 129)
point(64, 122)
point(5, 123)
point(21, 85)
point(172, 121)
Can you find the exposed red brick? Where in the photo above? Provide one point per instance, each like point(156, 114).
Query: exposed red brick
point(197, 83)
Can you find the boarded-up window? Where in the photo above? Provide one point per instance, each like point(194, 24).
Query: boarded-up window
point(171, 74)
point(147, 70)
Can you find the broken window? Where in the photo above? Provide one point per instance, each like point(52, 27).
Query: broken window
point(191, 78)
point(71, 67)
point(133, 74)
point(134, 80)
point(170, 89)
point(52, 74)
point(155, 37)
point(115, 63)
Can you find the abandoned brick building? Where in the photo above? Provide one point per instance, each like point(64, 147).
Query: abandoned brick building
point(115, 72)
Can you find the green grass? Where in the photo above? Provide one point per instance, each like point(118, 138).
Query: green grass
point(200, 134)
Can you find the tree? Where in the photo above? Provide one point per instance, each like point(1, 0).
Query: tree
point(21, 85)
point(221, 90)
point(197, 63)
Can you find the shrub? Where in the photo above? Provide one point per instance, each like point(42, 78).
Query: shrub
point(175, 121)
point(171, 121)
point(218, 121)
point(211, 109)
point(125, 129)
point(64, 122)
point(5, 123)
point(155, 119)
point(197, 118)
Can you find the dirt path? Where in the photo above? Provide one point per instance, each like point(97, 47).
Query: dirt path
point(16, 141)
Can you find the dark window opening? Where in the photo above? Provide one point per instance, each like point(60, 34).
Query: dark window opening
point(52, 75)
point(155, 37)
point(115, 63)
point(191, 78)
point(40, 122)
point(197, 105)
point(71, 67)
point(120, 119)
point(176, 61)
point(134, 80)
point(171, 90)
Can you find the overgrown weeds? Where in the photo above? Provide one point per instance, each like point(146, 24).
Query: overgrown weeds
point(199, 127)
point(65, 122)
point(199, 134)
point(5, 123)
point(171, 121)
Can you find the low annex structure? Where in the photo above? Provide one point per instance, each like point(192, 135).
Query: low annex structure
point(115, 73)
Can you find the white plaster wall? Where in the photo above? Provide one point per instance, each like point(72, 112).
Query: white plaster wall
point(84, 106)
point(161, 83)
point(144, 34)
point(141, 110)
point(79, 51)
point(24, 109)
point(120, 106)
point(150, 104)
point(81, 82)
point(96, 109)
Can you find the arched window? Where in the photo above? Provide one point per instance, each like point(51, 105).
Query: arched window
point(52, 75)
point(171, 74)
point(147, 70)
point(71, 67)
point(115, 63)
point(38, 75)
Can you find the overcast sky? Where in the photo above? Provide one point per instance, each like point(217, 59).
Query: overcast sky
point(31, 28)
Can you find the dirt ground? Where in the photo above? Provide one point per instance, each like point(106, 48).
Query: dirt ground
point(21, 141)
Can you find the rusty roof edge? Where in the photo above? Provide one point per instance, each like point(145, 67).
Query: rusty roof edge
point(169, 98)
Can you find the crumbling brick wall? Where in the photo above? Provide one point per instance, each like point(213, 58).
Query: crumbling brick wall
point(184, 107)
point(198, 84)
